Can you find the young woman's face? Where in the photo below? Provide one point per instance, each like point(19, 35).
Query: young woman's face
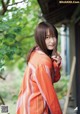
point(50, 41)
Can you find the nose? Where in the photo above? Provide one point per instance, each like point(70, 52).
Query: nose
point(51, 40)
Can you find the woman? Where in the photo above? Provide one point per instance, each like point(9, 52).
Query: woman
point(37, 94)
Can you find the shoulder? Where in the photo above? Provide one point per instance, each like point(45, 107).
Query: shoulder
point(38, 58)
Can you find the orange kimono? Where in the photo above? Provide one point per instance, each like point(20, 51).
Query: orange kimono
point(37, 94)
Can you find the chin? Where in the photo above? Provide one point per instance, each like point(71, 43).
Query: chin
point(50, 48)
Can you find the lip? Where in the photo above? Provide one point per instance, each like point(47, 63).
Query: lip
point(51, 45)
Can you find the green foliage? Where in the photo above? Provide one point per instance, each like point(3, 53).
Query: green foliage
point(17, 32)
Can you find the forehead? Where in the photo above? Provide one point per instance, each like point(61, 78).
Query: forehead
point(49, 32)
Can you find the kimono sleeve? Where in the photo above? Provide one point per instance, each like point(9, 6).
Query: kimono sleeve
point(57, 69)
point(47, 90)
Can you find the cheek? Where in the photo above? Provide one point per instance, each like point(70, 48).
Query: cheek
point(55, 41)
point(46, 41)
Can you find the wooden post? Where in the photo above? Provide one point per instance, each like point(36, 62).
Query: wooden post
point(2, 100)
point(70, 85)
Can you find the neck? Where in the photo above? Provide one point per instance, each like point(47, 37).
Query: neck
point(49, 52)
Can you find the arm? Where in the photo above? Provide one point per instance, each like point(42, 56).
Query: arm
point(56, 72)
point(47, 90)
point(56, 66)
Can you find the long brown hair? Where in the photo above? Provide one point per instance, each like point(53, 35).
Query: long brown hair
point(40, 36)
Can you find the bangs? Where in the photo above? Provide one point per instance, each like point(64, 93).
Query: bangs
point(53, 32)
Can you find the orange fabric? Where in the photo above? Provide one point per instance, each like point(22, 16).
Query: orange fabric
point(37, 93)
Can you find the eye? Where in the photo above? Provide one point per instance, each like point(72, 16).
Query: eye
point(47, 37)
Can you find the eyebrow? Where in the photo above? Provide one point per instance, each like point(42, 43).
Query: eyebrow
point(47, 35)
point(50, 35)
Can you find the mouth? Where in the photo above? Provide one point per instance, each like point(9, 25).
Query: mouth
point(52, 45)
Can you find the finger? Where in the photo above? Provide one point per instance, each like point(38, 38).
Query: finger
point(54, 58)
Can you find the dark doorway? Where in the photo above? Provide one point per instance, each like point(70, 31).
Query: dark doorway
point(77, 42)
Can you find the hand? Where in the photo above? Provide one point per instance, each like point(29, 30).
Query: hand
point(57, 58)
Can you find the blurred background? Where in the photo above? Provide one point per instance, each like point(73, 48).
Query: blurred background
point(18, 19)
